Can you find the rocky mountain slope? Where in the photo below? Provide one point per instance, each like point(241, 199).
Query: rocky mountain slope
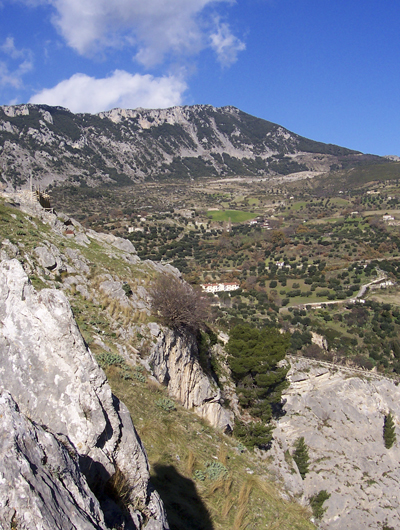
point(79, 262)
point(341, 416)
point(122, 146)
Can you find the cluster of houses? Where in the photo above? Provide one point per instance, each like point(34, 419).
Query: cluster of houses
point(260, 221)
point(390, 220)
point(219, 287)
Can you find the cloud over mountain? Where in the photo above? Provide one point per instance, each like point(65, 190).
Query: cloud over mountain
point(81, 93)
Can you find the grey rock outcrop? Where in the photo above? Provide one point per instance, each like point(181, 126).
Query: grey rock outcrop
point(174, 361)
point(56, 382)
point(41, 483)
point(341, 417)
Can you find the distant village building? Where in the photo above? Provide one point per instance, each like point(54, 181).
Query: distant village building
point(382, 285)
point(219, 287)
point(387, 218)
point(387, 283)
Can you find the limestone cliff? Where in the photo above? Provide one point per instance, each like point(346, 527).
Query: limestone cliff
point(341, 415)
point(175, 364)
point(56, 382)
point(174, 359)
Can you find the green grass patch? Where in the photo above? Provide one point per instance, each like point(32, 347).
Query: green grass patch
point(338, 201)
point(296, 206)
point(236, 216)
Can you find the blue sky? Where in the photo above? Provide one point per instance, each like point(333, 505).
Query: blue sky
point(326, 69)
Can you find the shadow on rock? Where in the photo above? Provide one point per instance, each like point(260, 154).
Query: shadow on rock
point(185, 510)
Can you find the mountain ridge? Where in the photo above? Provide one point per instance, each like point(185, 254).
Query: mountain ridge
point(124, 146)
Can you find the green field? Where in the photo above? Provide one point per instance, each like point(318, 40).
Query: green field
point(236, 216)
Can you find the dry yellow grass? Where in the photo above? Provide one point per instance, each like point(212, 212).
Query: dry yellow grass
point(222, 454)
point(239, 518)
point(227, 507)
point(245, 492)
point(218, 485)
point(190, 463)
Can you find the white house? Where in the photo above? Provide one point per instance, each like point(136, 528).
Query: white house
point(218, 287)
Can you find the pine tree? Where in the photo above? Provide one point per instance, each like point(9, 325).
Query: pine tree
point(255, 357)
point(389, 432)
point(300, 456)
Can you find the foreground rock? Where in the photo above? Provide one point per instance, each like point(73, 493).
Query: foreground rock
point(42, 485)
point(341, 418)
point(56, 382)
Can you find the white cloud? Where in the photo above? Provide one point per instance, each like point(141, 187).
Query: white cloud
point(81, 93)
point(152, 28)
point(16, 63)
point(226, 45)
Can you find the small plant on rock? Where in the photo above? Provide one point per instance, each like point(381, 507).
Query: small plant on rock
point(316, 502)
point(300, 456)
point(389, 431)
point(166, 404)
point(109, 359)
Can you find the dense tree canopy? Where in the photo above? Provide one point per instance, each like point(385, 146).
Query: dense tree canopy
point(254, 357)
point(254, 360)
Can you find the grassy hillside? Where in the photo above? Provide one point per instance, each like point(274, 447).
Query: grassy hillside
point(207, 480)
point(203, 477)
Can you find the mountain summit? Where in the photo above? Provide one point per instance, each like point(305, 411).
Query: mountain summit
point(123, 146)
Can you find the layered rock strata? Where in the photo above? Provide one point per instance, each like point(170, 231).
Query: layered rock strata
point(57, 383)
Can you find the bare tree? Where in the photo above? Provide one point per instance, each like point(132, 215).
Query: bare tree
point(177, 304)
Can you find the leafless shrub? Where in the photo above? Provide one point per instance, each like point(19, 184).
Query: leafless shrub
point(177, 304)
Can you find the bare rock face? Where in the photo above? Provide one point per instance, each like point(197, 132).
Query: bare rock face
point(56, 382)
point(42, 485)
point(175, 364)
point(341, 416)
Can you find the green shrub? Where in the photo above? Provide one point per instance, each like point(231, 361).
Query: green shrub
point(109, 359)
point(300, 456)
point(253, 434)
point(316, 502)
point(127, 289)
point(166, 404)
point(138, 374)
point(199, 475)
point(389, 432)
point(215, 470)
